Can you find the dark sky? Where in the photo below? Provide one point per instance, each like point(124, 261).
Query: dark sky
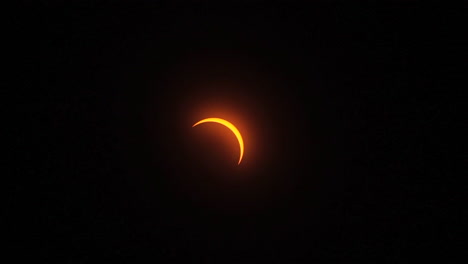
point(343, 109)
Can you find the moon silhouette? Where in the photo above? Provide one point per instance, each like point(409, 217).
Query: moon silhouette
point(231, 127)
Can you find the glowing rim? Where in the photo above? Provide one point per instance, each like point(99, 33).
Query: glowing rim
point(231, 127)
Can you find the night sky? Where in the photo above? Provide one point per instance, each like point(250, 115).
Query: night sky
point(342, 108)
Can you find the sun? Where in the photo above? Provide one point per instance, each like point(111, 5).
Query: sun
point(231, 127)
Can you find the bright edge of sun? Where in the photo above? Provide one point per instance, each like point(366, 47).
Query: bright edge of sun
point(231, 127)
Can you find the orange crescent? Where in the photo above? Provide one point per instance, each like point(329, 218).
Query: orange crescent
point(231, 127)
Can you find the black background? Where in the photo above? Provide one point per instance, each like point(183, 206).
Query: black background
point(341, 105)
